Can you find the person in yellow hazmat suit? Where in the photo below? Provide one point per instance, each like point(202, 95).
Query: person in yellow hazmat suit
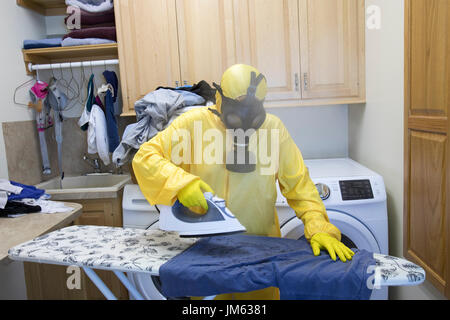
point(238, 152)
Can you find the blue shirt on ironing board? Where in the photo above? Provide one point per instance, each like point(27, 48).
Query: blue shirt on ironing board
point(243, 263)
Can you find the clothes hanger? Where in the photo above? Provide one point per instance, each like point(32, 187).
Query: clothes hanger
point(28, 82)
point(72, 101)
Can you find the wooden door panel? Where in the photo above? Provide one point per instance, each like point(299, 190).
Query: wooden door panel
point(148, 47)
point(96, 213)
point(427, 202)
point(429, 57)
point(329, 33)
point(427, 149)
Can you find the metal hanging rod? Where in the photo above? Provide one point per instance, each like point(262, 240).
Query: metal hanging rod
point(67, 65)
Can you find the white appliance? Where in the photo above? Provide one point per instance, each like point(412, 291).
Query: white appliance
point(354, 196)
point(355, 199)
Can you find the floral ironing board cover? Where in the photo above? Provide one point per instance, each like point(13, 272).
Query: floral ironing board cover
point(106, 248)
point(144, 251)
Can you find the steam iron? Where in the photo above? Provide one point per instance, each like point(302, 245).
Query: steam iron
point(218, 220)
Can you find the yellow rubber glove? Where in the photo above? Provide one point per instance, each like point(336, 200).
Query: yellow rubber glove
point(323, 240)
point(191, 196)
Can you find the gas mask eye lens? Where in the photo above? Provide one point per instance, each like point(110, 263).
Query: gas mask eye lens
point(233, 121)
point(258, 121)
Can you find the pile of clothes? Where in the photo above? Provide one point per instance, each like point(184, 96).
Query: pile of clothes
point(96, 23)
point(156, 111)
point(91, 22)
point(17, 199)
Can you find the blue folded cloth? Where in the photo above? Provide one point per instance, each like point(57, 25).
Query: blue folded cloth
point(44, 43)
point(28, 192)
point(243, 263)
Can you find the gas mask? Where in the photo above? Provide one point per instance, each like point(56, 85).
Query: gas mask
point(242, 116)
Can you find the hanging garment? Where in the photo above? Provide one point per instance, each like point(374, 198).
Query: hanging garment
point(243, 263)
point(110, 100)
point(98, 101)
point(38, 93)
point(92, 5)
point(57, 101)
point(97, 135)
point(154, 113)
point(83, 122)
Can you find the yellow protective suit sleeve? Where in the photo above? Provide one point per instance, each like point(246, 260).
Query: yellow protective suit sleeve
point(299, 190)
point(159, 179)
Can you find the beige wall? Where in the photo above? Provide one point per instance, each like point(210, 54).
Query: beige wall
point(18, 24)
point(376, 128)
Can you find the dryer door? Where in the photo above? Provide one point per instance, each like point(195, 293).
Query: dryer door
point(354, 233)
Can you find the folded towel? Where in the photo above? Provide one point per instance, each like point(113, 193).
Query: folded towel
point(108, 33)
point(70, 42)
point(43, 43)
point(100, 25)
point(92, 5)
point(88, 19)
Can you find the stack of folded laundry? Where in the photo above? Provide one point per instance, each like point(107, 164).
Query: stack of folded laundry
point(18, 199)
point(97, 23)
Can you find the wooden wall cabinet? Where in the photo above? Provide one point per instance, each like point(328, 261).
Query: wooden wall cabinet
point(148, 47)
point(332, 48)
point(311, 51)
point(49, 282)
point(427, 147)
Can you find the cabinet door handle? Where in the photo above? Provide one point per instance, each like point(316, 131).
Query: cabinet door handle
point(296, 82)
point(305, 80)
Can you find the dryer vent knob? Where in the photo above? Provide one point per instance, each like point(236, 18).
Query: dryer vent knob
point(324, 191)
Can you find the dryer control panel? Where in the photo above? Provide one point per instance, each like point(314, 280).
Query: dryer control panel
point(356, 189)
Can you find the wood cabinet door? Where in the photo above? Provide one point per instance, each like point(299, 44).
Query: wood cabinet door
point(427, 150)
point(148, 47)
point(206, 39)
point(96, 213)
point(332, 48)
point(50, 282)
point(267, 37)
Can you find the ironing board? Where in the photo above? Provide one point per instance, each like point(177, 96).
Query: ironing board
point(144, 251)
